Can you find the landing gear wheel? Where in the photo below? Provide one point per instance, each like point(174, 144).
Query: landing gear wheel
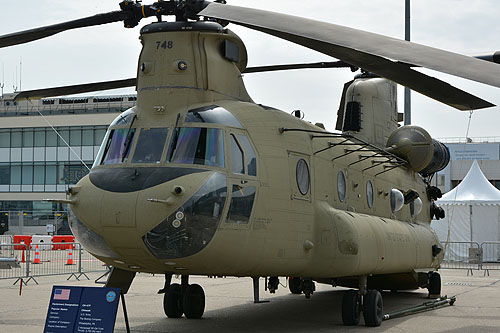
point(194, 301)
point(434, 286)
point(172, 301)
point(295, 285)
point(351, 308)
point(373, 308)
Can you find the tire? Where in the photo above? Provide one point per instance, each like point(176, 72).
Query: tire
point(373, 308)
point(194, 301)
point(434, 286)
point(172, 301)
point(294, 284)
point(351, 308)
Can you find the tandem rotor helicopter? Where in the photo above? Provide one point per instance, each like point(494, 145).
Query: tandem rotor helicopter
point(197, 179)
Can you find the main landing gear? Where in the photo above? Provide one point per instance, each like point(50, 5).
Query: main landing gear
point(298, 285)
point(184, 298)
point(434, 285)
point(367, 301)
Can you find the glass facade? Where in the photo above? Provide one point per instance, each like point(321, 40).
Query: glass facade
point(39, 160)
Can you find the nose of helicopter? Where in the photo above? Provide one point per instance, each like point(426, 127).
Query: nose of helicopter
point(170, 218)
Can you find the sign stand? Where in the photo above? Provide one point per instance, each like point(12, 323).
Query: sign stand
point(125, 315)
point(83, 309)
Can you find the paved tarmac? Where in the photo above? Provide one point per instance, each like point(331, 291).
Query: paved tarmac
point(230, 307)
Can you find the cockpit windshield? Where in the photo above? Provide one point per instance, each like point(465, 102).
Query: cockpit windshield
point(118, 146)
point(150, 145)
point(203, 146)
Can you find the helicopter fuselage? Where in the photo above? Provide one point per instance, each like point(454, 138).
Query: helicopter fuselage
point(198, 179)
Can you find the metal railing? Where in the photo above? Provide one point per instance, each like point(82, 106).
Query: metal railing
point(484, 139)
point(491, 256)
point(14, 263)
point(57, 106)
point(46, 259)
point(18, 261)
point(462, 255)
point(20, 221)
point(472, 256)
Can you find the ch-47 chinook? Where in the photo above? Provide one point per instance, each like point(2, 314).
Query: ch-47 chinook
point(197, 179)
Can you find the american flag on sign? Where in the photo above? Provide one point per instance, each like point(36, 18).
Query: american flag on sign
point(62, 294)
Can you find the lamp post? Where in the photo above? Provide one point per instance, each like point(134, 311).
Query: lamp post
point(407, 111)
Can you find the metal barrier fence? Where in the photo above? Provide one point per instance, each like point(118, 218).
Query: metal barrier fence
point(491, 256)
point(462, 255)
point(6, 240)
point(13, 263)
point(34, 222)
point(18, 261)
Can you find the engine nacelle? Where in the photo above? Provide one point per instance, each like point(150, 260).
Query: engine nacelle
point(414, 144)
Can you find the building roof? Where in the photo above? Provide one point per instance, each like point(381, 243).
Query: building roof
point(474, 188)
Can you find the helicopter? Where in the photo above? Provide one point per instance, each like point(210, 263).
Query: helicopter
point(198, 179)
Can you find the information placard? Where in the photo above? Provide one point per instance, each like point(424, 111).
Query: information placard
point(82, 309)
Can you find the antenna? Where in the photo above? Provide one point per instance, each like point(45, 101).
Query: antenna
point(14, 80)
point(3, 79)
point(407, 112)
point(20, 72)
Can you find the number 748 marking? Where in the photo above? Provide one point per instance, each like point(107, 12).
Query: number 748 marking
point(164, 44)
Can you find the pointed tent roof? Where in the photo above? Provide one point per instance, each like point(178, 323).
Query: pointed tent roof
point(474, 188)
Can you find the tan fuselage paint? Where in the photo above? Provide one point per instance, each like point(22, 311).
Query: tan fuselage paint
point(289, 234)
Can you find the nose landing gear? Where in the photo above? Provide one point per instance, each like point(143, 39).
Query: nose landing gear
point(184, 298)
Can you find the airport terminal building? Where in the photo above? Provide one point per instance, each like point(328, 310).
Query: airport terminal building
point(462, 153)
point(47, 145)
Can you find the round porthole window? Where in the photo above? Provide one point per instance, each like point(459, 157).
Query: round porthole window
point(397, 200)
point(416, 207)
point(369, 193)
point(341, 186)
point(302, 173)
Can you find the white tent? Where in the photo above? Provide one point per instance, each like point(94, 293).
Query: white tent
point(472, 212)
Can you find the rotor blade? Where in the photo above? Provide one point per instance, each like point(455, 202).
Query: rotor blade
point(76, 89)
point(495, 57)
point(333, 64)
point(42, 32)
point(372, 52)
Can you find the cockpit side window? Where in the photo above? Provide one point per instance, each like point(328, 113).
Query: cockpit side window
point(250, 156)
point(150, 145)
point(202, 146)
point(212, 114)
point(241, 204)
point(237, 158)
point(118, 145)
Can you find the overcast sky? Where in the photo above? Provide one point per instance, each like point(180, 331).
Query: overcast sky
point(110, 52)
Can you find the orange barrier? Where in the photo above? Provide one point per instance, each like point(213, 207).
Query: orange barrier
point(62, 239)
point(22, 239)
